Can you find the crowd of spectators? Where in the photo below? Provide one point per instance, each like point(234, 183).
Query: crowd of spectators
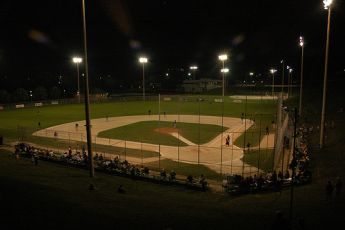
point(301, 159)
point(111, 166)
point(273, 181)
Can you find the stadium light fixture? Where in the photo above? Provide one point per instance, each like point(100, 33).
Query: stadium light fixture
point(143, 61)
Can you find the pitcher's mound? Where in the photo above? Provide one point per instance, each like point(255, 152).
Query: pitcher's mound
point(166, 130)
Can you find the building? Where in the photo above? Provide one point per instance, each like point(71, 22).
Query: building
point(200, 85)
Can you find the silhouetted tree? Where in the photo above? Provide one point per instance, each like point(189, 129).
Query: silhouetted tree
point(5, 97)
point(20, 94)
point(40, 93)
point(55, 93)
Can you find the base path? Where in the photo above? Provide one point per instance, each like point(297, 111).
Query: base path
point(214, 154)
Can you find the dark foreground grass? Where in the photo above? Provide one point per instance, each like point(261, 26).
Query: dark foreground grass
point(185, 169)
point(50, 196)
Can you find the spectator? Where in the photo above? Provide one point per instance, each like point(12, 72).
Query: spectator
point(163, 174)
point(338, 186)
point(121, 189)
point(280, 175)
point(203, 181)
point(36, 159)
point(280, 222)
point(329, 189)
point(146, 171)
point(190, 179)
point(274, 177)
point(172, 175)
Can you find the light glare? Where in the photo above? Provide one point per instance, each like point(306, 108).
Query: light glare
point(301, 41)
point(193, 67)
point(273, 71)
point(143, 60)
point(327, 3)
point(225, 70)
point(77, 60)
point(223, 57)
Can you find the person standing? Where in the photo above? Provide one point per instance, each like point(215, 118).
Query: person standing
point(227, 140)
point(329, 190)
point(338, 186)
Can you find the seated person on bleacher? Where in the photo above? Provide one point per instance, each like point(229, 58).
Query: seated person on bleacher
point(163, 174)
point(172, 175)
point(190, 179)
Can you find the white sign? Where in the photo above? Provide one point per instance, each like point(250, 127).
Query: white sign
point(38, 104)
point(55, 102)
point(237, 101)
point(19, 106)
point(218, 100)
point(167, 99)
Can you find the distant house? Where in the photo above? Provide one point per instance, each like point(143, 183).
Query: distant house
point(200, 85)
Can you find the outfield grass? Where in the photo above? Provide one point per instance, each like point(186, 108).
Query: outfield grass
point(144, 131)
point(58, 114)
point(263, 159)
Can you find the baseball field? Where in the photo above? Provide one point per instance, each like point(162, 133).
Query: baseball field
point(190, 130)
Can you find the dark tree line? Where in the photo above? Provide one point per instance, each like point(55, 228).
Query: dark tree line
point(22, 95)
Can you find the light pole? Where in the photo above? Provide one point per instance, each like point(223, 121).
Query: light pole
point(327, 5)
point(224, 71)
point(289, 80)
point(193, 69)
point(301, 44)
point(30, 96)
point(283, 75)
point(272, 72)
point(87, 103)
point(223, 58)
point(77, 61)
point(143, 60)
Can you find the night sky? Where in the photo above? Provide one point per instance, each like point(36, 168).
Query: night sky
point(39, 38)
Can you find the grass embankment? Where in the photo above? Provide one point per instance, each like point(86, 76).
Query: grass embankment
point(184, 169)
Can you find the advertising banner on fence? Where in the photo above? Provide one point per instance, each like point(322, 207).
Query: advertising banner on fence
point(19, 106)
